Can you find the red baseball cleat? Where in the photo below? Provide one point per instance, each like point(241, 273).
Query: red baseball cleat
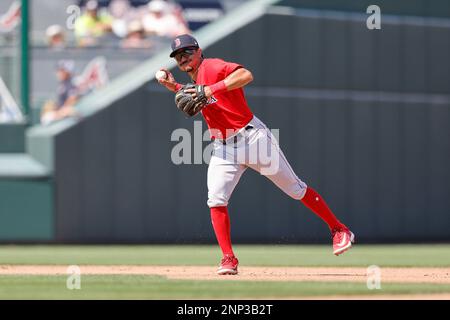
point(342, 240)
point(228, 265)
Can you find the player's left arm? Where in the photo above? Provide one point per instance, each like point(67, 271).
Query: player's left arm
point(235, 80)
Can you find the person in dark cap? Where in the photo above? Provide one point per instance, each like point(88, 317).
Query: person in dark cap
point(67, 94)
point(240, 140)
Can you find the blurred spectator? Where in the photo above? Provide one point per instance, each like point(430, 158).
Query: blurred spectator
point(92, 24)
point(119, 8)
point(136, 37)
point(122, 13)
point(67, 95)
point(177, 10)
point(160, 21)
point(55, 37)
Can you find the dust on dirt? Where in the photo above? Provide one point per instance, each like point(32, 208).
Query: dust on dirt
point(351, 274)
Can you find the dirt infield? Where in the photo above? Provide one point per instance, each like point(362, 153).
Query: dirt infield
point(388, 275)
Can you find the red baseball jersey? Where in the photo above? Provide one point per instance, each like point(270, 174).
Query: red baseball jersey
point(227, 111)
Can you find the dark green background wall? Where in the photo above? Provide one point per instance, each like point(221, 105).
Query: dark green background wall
point(423, 8)
point(364, 117)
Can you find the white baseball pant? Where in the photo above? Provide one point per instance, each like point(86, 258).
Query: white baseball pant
point(254, 148)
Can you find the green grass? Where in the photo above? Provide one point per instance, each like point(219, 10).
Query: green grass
point(154, 287)
point(151, 287)
point(249, 255)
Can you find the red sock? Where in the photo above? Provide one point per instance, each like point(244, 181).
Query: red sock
point(221, 224)
point(315, 203)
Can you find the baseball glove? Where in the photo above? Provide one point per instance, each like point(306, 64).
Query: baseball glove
point(186, 102)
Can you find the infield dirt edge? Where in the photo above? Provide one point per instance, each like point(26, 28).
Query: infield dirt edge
point(332, 274)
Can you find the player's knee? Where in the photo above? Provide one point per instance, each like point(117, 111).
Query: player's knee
point(217, 200)
point(297, 190)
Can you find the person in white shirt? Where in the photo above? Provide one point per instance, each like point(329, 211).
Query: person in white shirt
point(161, 22)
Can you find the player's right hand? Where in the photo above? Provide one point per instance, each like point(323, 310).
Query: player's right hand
point(169, 82)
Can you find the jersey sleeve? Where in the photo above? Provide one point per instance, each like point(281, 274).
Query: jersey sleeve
point(226, 68)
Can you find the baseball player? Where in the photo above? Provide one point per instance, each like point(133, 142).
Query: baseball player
point(217, 92)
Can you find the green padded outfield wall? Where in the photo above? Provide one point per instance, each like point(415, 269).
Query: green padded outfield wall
point(26, 210)
point(12, 138)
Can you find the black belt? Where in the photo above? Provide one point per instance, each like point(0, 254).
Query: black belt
point(235, 138)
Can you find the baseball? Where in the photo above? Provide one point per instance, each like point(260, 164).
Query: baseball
point(161, 75)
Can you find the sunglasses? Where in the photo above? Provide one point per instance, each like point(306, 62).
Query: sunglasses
point(185, 53)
